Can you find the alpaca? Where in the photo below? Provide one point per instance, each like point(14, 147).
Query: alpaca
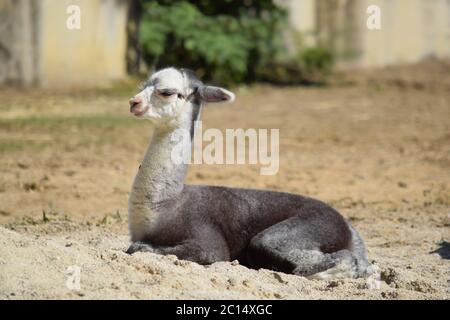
point(205, 224)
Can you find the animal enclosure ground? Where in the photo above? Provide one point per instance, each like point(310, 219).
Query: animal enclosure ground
point(375, 145)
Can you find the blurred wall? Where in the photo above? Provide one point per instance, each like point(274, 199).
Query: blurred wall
point(37, 47)
point(302, 17)
point(411, 30)
point(18, 41)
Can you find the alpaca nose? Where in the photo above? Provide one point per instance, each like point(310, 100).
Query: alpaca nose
point(135, 102)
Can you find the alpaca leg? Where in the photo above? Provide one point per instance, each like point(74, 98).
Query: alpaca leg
point(290, 247)
point(207, 247)
point(140, 247)
point(182, 251)
point(344, 263)
point(192, 251)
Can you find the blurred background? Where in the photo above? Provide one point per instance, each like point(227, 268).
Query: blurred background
point(229, 41)
point(363, 115)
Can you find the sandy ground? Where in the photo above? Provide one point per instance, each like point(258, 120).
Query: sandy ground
point(375, 145)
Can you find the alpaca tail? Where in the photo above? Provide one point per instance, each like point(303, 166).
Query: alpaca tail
point(364, 267)
point(352, 263)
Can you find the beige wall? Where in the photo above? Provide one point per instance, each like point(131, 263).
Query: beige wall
point(18, 41)
point(302, 17)
point(89, 56)
point(411, 31)
point(36, 47)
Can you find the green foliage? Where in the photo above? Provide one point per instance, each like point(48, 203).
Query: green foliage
point(311, 66)
point(316, 61)
point(226, 48)
point(226, 42)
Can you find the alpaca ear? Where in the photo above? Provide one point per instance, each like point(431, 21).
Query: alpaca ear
point(215, 94)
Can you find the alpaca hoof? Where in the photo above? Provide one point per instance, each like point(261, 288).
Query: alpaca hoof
point(139, 246)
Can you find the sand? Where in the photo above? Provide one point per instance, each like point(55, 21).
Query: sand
point(375, 145)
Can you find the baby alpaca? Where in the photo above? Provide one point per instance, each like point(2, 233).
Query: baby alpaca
point(206, 224)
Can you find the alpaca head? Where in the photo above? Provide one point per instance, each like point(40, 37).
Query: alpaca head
point(171, 96)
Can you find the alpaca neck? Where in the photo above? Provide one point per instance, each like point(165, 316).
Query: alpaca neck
point(158, 180)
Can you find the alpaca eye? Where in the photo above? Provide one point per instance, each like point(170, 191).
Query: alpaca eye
point(166, 93)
